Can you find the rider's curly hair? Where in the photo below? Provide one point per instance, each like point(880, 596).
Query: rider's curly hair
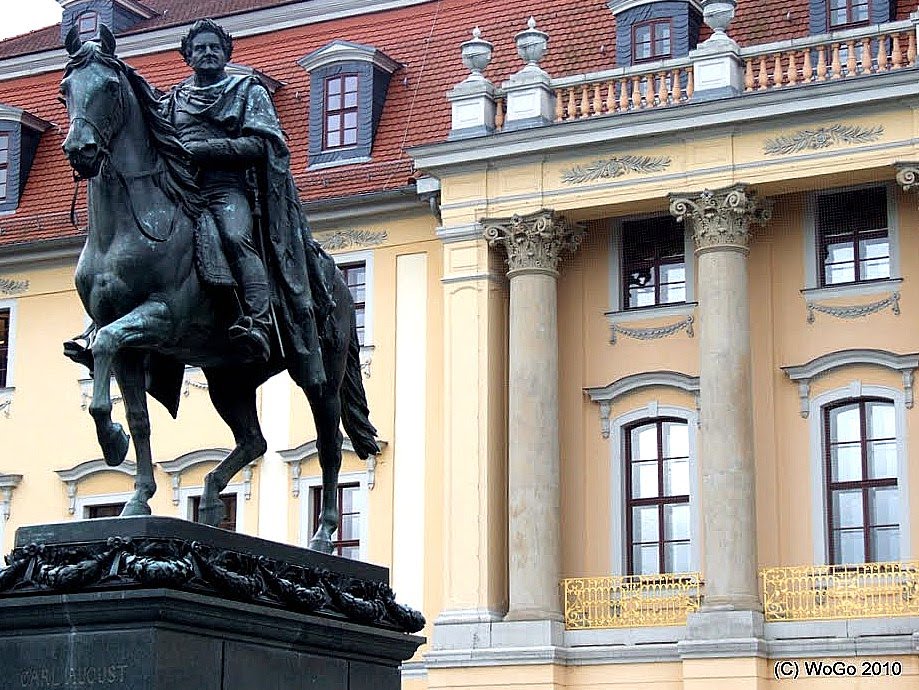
point(204, 26)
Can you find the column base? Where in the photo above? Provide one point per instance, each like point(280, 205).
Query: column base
point(724, 633)
point(533, 615)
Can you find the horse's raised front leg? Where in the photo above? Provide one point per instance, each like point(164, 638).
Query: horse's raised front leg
point(146, 325)
point(327, 416)
point(233, 396)
point(131, 376)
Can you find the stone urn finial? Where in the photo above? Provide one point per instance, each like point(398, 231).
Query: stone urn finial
point(476, 54)
point(532, 44)
point(718, 14)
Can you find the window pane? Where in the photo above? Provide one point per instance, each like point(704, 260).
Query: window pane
point(350, 120)
point(334, 86)
point(641, 297)
point(349, 495)
point(840, 273)
point(644, 479)
point(845, 424)
point(676, 439)
point(646, 559)
point(676, 557)
point(849, 546)
point(840, 252)
point(4, 156)
point(846, 462)
point(350, 137)
point(882, 459)
point(881, 420)
point(671, 294)
point(884, 505)
point(676, 477)
point(351, 84)
point(644, 524)
point(847, 508)
point(334, 139)
point(3, 175)
point(351, 99)
point(352, 552)
point(673, 273)
point(333, 102)
point(874, 269)
point(885, 544)
point(860, 12)
point(644, 442)
point(350, 527)
point(676, 521)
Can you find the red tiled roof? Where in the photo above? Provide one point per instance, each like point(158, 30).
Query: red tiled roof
point(424, 38)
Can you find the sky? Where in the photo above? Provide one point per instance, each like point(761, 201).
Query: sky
point(22, 16)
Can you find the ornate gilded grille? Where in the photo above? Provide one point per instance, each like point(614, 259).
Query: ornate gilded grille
point(630, 601)
point(821, 592)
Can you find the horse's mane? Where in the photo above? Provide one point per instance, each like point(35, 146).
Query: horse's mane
point(178, 182)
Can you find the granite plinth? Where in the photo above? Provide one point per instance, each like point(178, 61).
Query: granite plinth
point(78, 611)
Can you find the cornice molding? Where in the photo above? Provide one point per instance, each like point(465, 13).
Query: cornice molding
point(805, 374)
point(9, 113)
point(607, 395)
point(295, 457)
point(175, 468)
point(345, 51)
point(91, 467)
point(619, 6)
point(240, 25)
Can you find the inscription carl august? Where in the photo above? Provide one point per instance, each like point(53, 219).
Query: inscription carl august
point(67, 678)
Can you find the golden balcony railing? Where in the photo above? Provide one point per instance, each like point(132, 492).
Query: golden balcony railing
point(824, 592)
point(630, 601)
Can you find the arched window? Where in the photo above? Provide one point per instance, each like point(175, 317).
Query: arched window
point(88, 24)
point(861, 480)
point(657, 483)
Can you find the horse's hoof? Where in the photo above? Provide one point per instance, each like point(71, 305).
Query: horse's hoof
point(320, 545)
point(135, 507)
point(211, 513)
point(115, 446)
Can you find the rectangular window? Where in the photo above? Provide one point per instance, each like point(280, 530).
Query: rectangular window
point(853, 244)
point(356, 279)
point(4, 346)
point(862, 496)
point(340, 112)
point(229, 502)
point(346, 541)
point(653, 262)
point(104, 510)
point(87, 23)
point(4, 164)
point(844, 13)
point(657, 489)
point(651, 40)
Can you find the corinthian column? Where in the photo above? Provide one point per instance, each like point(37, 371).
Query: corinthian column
point(534, 244)
point(720, 222)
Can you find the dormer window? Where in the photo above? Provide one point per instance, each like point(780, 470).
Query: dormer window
point(847, 13)
point(651, 40)
point(348, 85)
point(341, 111)
point(19, 135)
point(88, 25)
point(4, 164)
point(834, 15)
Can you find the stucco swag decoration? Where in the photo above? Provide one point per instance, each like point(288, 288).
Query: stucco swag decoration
point(855, 311)
point(652, 332)
point(617, 166)
point(343, 239)
point(8, 286)
point(721, 217)
point(534, 242)
point(821, 138)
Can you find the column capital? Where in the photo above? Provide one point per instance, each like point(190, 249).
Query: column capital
point(907, 175)
point(534, 242)
point(721, 218)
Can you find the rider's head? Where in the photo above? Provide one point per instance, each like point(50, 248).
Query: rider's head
point(205, 26)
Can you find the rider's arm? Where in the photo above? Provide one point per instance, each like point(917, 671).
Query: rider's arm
point(225, 150)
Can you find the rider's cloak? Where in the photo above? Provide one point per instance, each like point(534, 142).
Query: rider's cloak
point(241, 107)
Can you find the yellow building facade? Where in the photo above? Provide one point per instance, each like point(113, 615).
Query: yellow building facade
point(644, 378)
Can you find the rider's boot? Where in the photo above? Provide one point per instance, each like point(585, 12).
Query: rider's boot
point(250, 332)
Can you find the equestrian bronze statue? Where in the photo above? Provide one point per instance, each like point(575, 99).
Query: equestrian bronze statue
point(198, 254)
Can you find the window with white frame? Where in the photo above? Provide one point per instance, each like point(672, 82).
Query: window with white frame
point(859, 472)
point(93, 507)
point(350, 539)
point(5, 319)
point(190, 504)
point(357, 268)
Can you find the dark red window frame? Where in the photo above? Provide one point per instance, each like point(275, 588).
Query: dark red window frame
point(845, 229)
point(4, 164)
point(230, 503)
point(338, 544)
point(850, 6)
point(864, 485)
point(338, 111)
point(88, 30)
point(104, 510)
point(654, 25)
point(648, 246)
point(661, 500)
point(356, 279)
point(5, 318)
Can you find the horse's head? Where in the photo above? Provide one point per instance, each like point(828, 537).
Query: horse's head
point(92, 91)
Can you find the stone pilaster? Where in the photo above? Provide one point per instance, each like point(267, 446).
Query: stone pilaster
point(534, 244)
point(721, 222)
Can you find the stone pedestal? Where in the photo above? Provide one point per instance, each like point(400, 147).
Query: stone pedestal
point(721, 222)
point(534, 244)
point(170, 605)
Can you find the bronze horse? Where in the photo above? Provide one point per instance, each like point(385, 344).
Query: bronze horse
point(137, 279)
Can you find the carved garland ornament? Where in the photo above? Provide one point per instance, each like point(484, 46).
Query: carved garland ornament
point(8, 286)
point(172, 563)
point(617, 166)
point(343, 239)
point(855, 311)
point(533, 242)
point(652, 333)
point(821, 138)
point(720, 218)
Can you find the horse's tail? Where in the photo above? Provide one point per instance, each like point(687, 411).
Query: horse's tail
point(355, 416)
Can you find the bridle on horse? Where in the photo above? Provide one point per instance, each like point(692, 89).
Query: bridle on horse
point(105, 149)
